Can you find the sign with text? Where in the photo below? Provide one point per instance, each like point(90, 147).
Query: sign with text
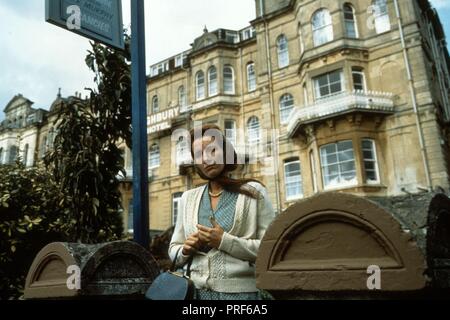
point(162, 121)
point(99, 20)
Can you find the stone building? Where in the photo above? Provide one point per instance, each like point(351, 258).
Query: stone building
point(27, 133)
point(347, 96)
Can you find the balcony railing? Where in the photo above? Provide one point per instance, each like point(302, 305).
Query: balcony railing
point(342, 103)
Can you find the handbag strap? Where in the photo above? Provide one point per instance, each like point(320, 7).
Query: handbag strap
point(188, 262)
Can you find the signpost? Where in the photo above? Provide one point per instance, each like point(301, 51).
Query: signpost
point(101, 20)
point(140, 143)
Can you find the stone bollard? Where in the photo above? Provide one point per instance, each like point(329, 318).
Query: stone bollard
point(115, 270)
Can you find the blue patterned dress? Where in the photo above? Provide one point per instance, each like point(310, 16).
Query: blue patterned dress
point(224, 215)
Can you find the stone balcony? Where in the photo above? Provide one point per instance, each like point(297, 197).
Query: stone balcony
point(341, 104)
point(224, 100)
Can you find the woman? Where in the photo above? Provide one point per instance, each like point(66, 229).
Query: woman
point(220, 224)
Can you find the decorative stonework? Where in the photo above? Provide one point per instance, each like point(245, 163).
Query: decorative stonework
point(115, 269)
point(326, 244)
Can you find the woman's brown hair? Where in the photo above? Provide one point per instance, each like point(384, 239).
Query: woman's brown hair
point(229, 184)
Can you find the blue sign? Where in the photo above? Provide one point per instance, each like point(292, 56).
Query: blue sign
point(99, 20)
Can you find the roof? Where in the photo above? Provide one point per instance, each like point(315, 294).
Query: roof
point(17, 101)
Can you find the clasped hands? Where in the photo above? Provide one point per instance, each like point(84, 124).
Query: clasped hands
point(205, 236)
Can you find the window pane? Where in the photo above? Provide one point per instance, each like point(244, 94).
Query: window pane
point(358, 80)
point(286, 107)
point(347, 166)
point(322, 27)
point(335, 76)
point(335, 88)
point(228, 80)
point(338, 164)
point(212, 81)
point(367, 144)
point(200, 81)
point(368, 155)
point(370, 163)
point(293, 180)
point(251, 77)
point(230, 131)
point(283, 52)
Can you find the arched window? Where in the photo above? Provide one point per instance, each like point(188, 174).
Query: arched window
point(212, 81)
point(182, 98)
point(183, 152)
point(253, 130)
point(228, 80)
point(155, 104)
point(283, 51)
point(286, 106)
point(293, 179)
point(351, 30)
point(251, 77)
point(200, 85)
point(154, 156)
point(322, 27)
point(381, 16)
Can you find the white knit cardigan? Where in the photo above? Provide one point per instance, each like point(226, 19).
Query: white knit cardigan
point(231, 268)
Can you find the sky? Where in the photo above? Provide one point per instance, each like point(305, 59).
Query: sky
point(37, 58)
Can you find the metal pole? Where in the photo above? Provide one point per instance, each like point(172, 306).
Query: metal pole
point(139, 123)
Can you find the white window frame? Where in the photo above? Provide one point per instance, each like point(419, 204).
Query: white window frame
point(231, 133)
point(213, 84)
point(363, 76)
point(323, 28)
point(338, 163)
point(182, 152)
point(251, 77)
point(228, 84)
point(176, 201)
point(182, 97)
point(155, 104)
point(285, 108)
point(381, 16)
point(373, 150)
point(200, 87)
point(317, 87)
point(154, 157)
point(283, 51)
point(289, 181)
point(352, 21)
point(253, 131)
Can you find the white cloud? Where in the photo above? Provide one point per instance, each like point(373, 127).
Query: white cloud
point(36, 58)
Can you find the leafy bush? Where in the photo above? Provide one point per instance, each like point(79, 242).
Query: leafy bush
point(30, 218)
